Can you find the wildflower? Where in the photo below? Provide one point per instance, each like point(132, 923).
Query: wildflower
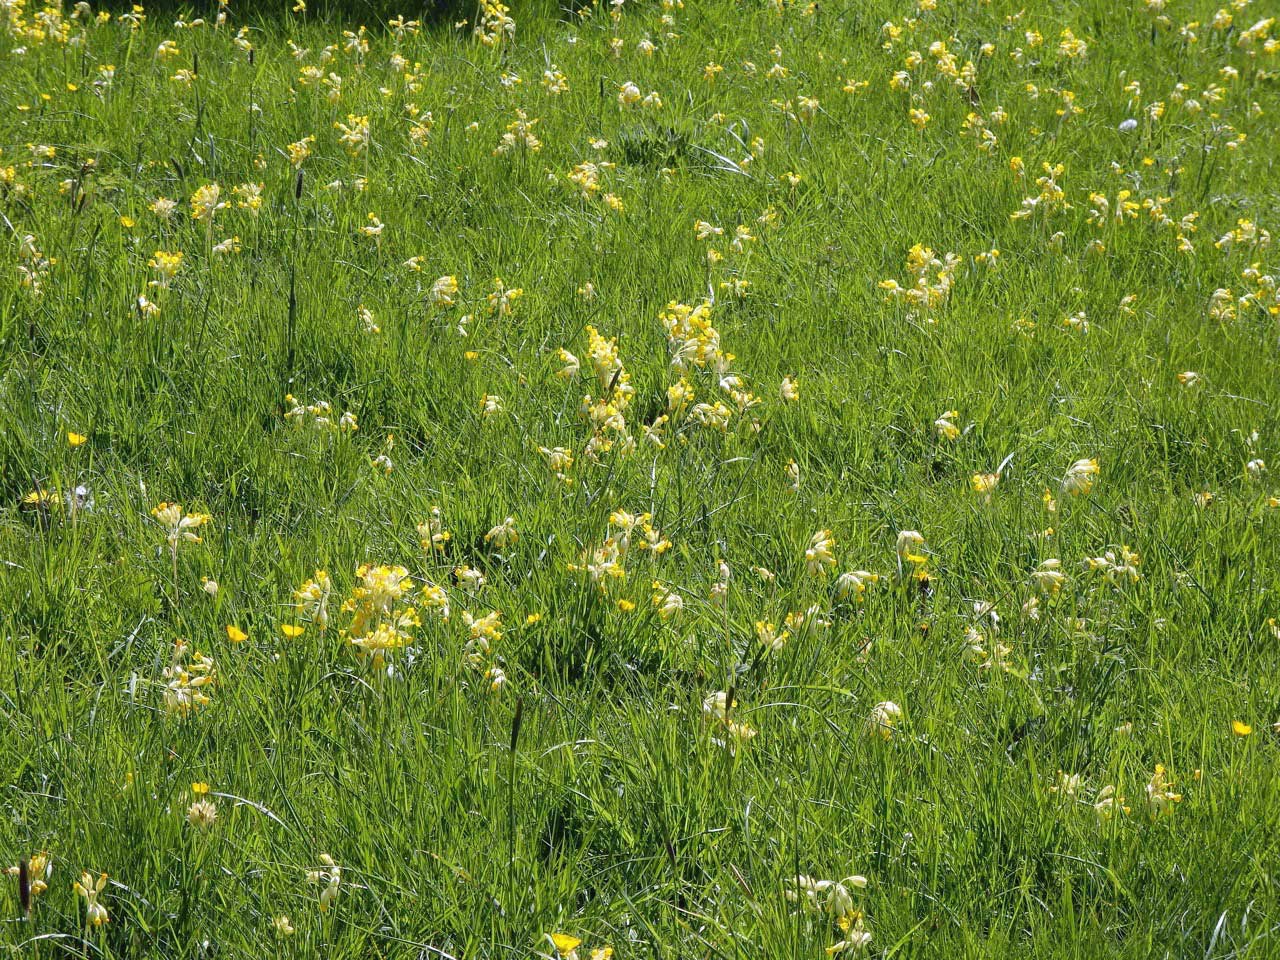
point(469, 577)
point(1049, 578)
point(179, 526)
point(1118, 567)
point(519, 135)
point(793, 476)
point(1241, 729)
point(202, 814)
point(946, 429)
point(1189, 379)
point(668, 602)
point(570, 367)
point(312, 599)
point(882, 719)
point(854, 583)
point(299, 150)
point(554, 81)
point(819, 556)
point(355, 134)
point(1254, 469)
point(909, 540)
point(494, 23)
point(205, 202)
point(186, 680)
point(503, 535)
point(443, 290)
point(502, 298)
point(855, 939)
point(1067, 784)
point(329, 874)
point(565, 945)
point(374, 228)
point(281, 923)
point(166, 265)
point(1160, 795)
point(790, 390)
point(1107, 803)
point(770, 637)
point(75, 439)
point(431, 532)
point(38, 871)
point(984, 483)
point(1080, 477)
point(95, 914)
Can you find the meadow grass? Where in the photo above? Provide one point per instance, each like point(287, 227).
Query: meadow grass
point(1034, 321)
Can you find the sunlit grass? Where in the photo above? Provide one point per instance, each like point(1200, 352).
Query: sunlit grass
point(905, 585)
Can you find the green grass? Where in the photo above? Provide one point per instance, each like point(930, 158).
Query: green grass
point(611, 810)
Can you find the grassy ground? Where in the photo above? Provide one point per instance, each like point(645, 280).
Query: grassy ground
point(952, 723)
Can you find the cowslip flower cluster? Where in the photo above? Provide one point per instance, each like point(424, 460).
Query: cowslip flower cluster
point(187, 680)
point(319, 416)
point(381, 622)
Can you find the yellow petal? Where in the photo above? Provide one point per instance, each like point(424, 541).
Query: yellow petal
point(75, 439)
point(235, 634)
point(564, 943)
point(291, 630)
point(1240, 729)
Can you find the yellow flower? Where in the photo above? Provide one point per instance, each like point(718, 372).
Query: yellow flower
point(299, 151)
point(1160, 794)
point(178, 526)
point(329, 874)
point(1240, 729)
point(95, 914)
point(565, 945)
point(292, 630)
point(909, 540)
point(205, 202)
point(882, 719)
point(944, 426)
point(820, 554)
point(1080, 477)
point(235, 634)
point(39, 869)
point(75, 439)
point(984, 483)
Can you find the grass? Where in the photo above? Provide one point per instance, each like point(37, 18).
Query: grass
point(597, 792)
